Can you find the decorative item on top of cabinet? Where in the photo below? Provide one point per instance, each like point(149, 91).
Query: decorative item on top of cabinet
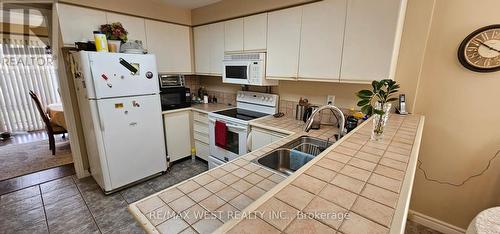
point(378, 102)
point(480, 50)
point(116, 34)
point(134, 25)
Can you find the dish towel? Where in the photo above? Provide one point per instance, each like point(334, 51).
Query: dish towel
point(299, 159)
point(220, 134)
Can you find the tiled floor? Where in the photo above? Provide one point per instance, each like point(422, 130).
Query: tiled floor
point(69, 205)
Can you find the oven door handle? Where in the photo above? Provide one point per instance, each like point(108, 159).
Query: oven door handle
point(249, 142)
point(230, 125)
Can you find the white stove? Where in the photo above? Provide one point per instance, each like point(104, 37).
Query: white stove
point(249, 106)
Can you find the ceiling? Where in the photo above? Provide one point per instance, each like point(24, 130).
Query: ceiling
point(190, 4)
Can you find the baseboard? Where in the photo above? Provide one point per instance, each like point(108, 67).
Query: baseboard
point(433, 223)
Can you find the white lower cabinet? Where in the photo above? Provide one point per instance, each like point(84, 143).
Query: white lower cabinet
point(261, 137)
point(178, 134)
point(200, 134)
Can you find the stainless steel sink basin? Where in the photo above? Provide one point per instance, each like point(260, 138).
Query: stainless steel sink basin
point(293, 155)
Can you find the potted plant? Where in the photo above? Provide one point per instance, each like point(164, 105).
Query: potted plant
point(377, 102)
point(116, 34)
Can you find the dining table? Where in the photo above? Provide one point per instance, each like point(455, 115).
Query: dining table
point(56, 114)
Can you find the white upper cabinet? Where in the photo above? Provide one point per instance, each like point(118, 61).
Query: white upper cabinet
point(283, 42)
point(216, 47)
point(201, 37)
point(134, 26)
point(171, 44)
point(321, 40)
point(78, 23)
point(233, 35)
point(372, 38)
point(255, 32)
point(209, 48)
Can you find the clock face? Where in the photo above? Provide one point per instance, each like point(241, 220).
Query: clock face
point(480, 51)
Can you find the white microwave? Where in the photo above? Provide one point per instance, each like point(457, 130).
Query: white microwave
point(246, 69)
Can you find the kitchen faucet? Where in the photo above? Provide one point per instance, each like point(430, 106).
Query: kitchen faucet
point(335, 110)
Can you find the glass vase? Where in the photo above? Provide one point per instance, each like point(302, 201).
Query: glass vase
point(379, 121)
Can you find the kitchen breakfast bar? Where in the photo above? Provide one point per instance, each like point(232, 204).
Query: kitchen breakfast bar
point(355, 186)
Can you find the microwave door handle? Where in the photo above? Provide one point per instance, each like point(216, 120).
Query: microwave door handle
point(248, 71)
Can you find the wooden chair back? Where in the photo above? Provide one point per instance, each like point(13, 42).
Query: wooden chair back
point(44, 116)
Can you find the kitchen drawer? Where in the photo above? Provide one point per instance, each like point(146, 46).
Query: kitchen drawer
point(200, 127)
point(202, 150)
point(201, 137)
point(200, 117)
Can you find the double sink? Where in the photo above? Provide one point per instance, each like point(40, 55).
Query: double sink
point(290, 157)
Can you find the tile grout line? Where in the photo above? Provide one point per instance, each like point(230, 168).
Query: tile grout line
point(86, 205)
point(44, 211)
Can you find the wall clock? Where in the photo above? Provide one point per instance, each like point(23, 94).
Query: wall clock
point(480, 51)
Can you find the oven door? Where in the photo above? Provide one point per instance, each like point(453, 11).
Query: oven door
point(236, 140)
point(236, 72)
point(173, 98)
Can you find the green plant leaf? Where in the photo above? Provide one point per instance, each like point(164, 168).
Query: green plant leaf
point(365, 93)
point(378, 112)
point(363, 102)
point(392, 99)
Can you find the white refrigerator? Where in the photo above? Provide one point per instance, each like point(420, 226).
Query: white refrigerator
point(118, 97)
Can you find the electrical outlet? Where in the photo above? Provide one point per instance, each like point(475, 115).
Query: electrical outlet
point(330, 99)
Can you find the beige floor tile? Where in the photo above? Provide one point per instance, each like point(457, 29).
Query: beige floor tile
point(254, 226)
point(295, 196)
point(188, 186)
point(363, 164)
point(229, 179)
point(188, 230)
point(228, 193)
point(309, 226)
point(326, 212)
point(173, 225)
point(277, 213)
point(385, 182)
point(348, 183)
point(321, 173)
point(254, 178)
point(373, 210)
point(241, 185)
point(309, 183)
point(356, 173)
point(266, 184)
point(357, 224)
point(381, 195)
point(338, 196)
point(254, 192)
point(170, 195)
point(207, 225)
point(330, 164)
point(241, 201)
point(215, 186)
point(181, 204)
point(150, 204)
point(204, 179)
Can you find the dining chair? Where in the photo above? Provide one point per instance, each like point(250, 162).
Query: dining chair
point(52, 129)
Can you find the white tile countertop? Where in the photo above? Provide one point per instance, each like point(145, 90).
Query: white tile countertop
point(354, 186)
